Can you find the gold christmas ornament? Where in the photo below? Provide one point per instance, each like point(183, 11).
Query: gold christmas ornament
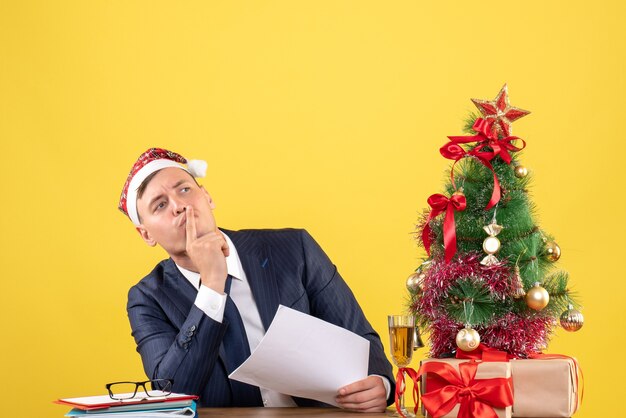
point(537, 297)
point(572, 320)
point(521, 171)
point(518, 284)
point(459, 192)
point(415, 281)
point(417, 339)
point(491, 244)
point(552, 251)
point(467, 339)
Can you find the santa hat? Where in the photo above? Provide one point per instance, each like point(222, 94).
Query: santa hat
point(149, 162)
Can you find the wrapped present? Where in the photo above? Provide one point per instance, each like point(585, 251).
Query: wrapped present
point(466, 389)
point(545, 387)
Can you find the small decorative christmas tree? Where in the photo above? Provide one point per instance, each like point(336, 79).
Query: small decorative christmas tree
point(490, 275)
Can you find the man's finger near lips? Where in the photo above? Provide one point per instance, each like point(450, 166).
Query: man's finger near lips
point(190, 224)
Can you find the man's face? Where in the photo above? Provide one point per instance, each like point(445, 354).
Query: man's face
point(162, 207)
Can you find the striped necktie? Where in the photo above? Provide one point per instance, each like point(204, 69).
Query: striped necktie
point(237, 351)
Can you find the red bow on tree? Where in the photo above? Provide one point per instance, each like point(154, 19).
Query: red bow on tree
point(477, 397)
point(440, 203)
point(489, 145)
point(453, 151)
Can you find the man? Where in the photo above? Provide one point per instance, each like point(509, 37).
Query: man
point(199, 314)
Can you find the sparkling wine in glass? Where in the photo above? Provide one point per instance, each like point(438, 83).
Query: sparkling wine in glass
point(401, 333)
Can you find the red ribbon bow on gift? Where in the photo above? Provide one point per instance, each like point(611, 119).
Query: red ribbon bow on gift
point(477, 397)
point(440, 203)
point(485, 353)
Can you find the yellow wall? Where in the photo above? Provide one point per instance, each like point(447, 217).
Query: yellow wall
point(326, 115)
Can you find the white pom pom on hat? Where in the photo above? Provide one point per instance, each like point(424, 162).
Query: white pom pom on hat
point(197, 168)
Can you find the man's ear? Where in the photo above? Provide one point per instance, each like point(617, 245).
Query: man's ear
point(211, 202)
point(145, 235)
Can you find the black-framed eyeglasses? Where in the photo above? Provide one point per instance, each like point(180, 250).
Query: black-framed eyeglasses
point(129, 390)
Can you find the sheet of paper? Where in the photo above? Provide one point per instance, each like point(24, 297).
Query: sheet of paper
point(303, 356)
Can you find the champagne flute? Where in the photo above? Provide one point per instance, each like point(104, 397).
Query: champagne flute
point(401, 333)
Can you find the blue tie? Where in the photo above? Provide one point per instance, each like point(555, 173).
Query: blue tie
point(237, 351)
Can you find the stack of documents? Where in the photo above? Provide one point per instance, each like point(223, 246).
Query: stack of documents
point(175, 404)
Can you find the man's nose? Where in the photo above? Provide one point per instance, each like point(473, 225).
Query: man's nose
point(178, 206)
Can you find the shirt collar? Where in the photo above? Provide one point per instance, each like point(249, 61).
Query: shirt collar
point(233, 266)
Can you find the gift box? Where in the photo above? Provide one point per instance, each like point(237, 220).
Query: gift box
point(546, 387)
point(489, 388)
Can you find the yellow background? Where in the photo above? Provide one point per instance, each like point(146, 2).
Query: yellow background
point(326, 115)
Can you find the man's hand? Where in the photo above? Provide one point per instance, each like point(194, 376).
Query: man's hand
point(367, 395)
point(207, 253)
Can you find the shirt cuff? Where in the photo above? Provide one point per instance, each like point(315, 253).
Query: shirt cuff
point(211, 303)
point(386, 383)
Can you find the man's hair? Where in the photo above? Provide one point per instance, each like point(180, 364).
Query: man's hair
point(142, 187)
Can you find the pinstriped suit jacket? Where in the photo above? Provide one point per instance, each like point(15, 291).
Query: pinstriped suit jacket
point(177, 340)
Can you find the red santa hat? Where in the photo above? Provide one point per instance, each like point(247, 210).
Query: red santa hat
point(149, 162)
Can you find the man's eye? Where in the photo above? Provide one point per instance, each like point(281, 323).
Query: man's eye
point(161, 205)
point(185, 189)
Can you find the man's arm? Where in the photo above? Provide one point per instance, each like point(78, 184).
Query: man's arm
point(187, 356)
point(332, 300)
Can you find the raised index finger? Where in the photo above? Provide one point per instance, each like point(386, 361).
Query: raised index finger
point(190, 226)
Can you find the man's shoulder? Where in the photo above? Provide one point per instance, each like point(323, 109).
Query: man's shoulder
point(287, 242)
point(266, 236)
point(153, 280)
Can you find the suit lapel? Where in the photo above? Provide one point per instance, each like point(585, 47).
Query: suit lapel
point(178, 289)
point(256, 260)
